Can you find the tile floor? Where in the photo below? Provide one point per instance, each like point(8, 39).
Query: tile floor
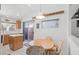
point(4, 50)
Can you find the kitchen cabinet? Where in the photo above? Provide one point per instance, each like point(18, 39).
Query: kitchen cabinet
point(16, 42)
point(18, 24)
point(6, 39)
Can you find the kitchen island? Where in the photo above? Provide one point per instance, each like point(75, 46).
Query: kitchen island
point(16, 41)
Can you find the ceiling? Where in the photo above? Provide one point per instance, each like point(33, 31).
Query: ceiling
point(19, 10)
point(26, 11)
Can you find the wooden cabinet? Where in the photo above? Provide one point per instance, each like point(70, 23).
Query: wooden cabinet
point(18, 24)
point(16, 43)
point(6, 39)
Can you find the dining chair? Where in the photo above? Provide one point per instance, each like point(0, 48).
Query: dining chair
point(57, 49)
point(60, 46)
point(35, 50)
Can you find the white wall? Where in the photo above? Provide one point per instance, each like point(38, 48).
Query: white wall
point(0, 30)
point(74, 31)
point(74, 46)
point(0, 25)
point(55, 33)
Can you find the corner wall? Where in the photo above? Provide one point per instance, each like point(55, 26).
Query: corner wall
point(0, 30)
point(0, 25)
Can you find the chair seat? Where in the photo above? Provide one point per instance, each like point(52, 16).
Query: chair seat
point(35, 50)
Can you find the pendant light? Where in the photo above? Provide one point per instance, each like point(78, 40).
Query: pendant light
point(40, 15)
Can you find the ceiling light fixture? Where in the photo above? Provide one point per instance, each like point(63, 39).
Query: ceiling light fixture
point(40, 15)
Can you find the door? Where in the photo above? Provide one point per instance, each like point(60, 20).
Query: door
point(28, 30)
point(25, 30)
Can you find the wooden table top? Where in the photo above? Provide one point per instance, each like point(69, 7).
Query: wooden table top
point(45, 46)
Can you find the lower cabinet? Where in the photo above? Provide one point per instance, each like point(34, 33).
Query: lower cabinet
point(16, 43)
point(6, 39)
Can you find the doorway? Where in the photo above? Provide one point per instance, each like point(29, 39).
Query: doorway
point(28, 30)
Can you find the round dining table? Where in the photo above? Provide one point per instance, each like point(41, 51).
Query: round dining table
point(45, 46)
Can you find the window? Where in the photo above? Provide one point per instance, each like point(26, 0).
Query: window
point(53, 23)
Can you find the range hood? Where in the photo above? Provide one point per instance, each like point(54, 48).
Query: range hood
point(76, 15)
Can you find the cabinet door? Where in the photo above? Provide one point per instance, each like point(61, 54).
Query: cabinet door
point(18, 24)
point(6, 40)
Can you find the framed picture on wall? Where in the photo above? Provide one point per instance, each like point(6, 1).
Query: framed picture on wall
point(53, 23)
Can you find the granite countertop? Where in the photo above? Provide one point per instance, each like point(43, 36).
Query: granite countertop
point(14, 35)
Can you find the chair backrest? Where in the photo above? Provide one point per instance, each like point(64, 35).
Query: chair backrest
point(60, 45)
point(48, 41)
point(35, 50)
